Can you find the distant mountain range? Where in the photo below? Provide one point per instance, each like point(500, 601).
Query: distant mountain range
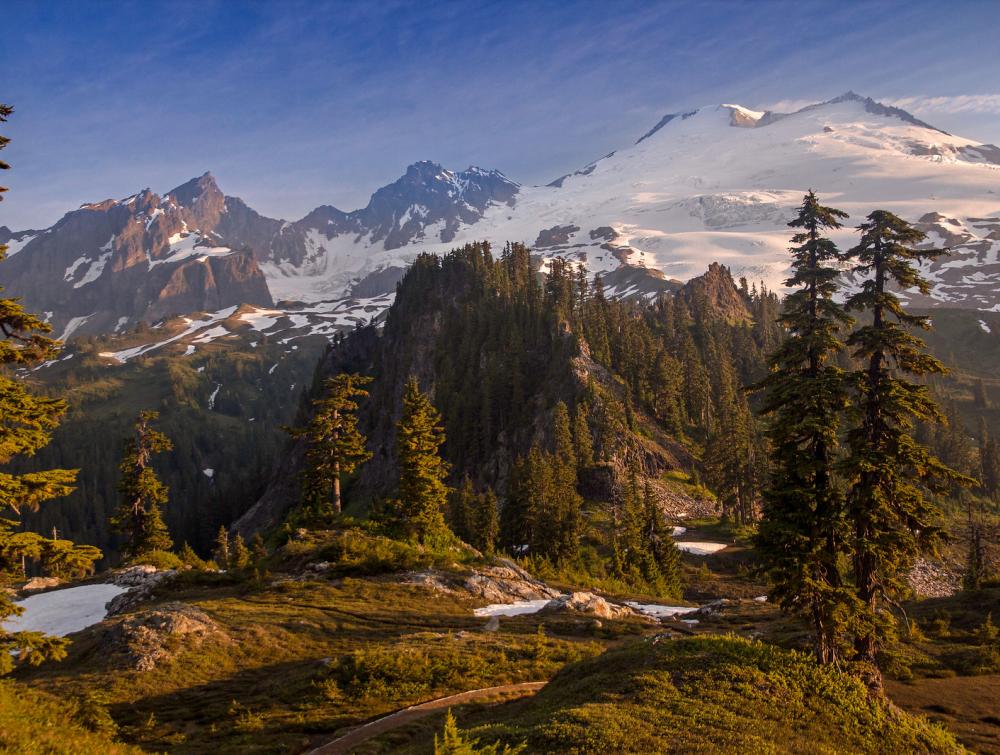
point(714, 184)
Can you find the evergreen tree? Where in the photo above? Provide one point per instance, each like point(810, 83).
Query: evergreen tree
point(221, 553)
point(462, 510)
point(453, 742)
point(423, 493)
point(660, 543)
point(582, 441)
point(240, 557)
point(26, 425)
point(891, 519)
point(800, 537)
point(334, 445)
point(141, 492)
point(487, 517)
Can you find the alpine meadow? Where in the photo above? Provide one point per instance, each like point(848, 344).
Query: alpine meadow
point(694, 448)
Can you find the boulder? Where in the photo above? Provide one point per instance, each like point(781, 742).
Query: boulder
point(41, 583)
point(142, 580)
point(593, 605)
point(144, 638)
point(506, 582)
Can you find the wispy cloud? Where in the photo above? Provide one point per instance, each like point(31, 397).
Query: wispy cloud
point(961, 103)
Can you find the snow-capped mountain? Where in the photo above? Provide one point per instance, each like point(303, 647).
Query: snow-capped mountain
point(714, 184)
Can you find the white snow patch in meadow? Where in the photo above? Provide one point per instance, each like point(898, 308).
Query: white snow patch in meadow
point(984, 326)
point(701, 548)
point(61, 612)
point(678, 531)
point(519, 608)
point(658, 611)
point(211, 399)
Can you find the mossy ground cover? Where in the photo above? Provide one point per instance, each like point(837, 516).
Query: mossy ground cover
point(707, 694)
point(33, 723)
point(302, 659)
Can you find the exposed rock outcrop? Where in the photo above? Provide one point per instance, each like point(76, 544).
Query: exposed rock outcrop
point(593, 605)
point(507, 582)
point(146, 639)
point(141, 581)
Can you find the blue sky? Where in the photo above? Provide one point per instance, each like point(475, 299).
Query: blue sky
point(294, 104)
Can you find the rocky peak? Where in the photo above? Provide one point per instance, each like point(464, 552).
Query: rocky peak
point(191, 191)
point(717, 289)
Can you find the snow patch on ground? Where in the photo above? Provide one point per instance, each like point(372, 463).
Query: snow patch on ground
point(518, 608)
point(61, 612)
point(985, 328)
point(701, 548)
point(658, 611)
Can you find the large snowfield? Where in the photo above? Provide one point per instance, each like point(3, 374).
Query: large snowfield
point(62, 612)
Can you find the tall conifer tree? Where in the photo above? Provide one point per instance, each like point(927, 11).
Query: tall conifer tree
point(800, 535)
point(141, 492)
point(335, 446)
point(423, 494)
point(891, 519)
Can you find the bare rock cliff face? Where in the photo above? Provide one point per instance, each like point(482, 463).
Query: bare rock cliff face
point(108, 265)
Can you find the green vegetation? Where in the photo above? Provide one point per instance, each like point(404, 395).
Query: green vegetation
point(891, 520)
point(304, 657)
point(705, 694)
point(334, 447)
point(142, 493)
point(423, 494)
point(806, 392)
point(33, 723)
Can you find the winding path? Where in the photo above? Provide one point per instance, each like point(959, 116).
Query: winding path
point(343, 745)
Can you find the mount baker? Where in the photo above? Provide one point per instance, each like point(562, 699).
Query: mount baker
point(714, 184)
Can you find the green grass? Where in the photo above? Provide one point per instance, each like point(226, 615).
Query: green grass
point(707, 694)
point(301, 660)
point(33, 723)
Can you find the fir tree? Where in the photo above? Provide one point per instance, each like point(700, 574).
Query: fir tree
point(583, 443)
point(891, 519)
point(141, 492)
point(462, 510)
point(26, 425)
point(800, 535)
point(240, 558)
point(487, 517)
point(334, 445)
point(221, 552)
point(423, 493)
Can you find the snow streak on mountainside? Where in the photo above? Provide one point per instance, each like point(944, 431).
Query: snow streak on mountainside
point(714, 184)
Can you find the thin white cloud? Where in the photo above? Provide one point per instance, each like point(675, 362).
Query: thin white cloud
point(961, 103)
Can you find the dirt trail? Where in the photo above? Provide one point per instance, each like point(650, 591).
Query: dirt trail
point(343, 745)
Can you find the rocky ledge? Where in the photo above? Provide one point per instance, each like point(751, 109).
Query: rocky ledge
point(145, 639)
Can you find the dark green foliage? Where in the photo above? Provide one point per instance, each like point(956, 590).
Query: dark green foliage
point(801, 534)
point(474, 517)
point(334, 446)
point(423, 493)
point(141, 492)
point(891, 519)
